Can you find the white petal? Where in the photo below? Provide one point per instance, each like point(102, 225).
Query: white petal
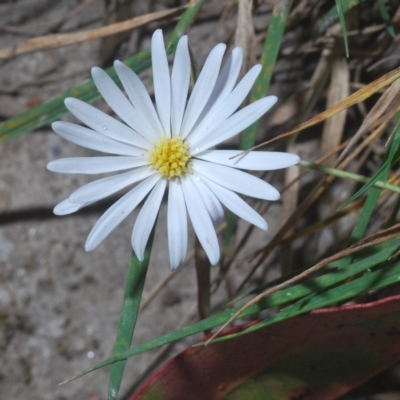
point(146, 218)
point(140, 99)
point(253, 160)
point(203, 88)
point(119, 103)
point(236, 123)
point(177, 224)
point(93, 140)
point(236, 180)
point(95, 165)
point(225, 109)
point(211, 202)
point(162, 81)
point(226, 80)
point(201, 221)
point(237, 205)
point(104, 124)
point(180, 79)
point(119, 211)
point(113, 95)
point(66, 207)
point(104, 187)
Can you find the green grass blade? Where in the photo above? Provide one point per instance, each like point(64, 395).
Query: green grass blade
point(324, 282)
point(54, 108)
point(370, 281)
point(365, 260)
point(183, 24)
point(340, 11)
point(332, 15)
point(270, 52)
point(391, 157)
point(366, 215)
point(302, 291)
point(376, 181)
point(386, 276)
point(386, 18)
point(355, 177)
point(129, 312)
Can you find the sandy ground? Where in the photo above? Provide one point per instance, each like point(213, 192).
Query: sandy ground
point(59, 306)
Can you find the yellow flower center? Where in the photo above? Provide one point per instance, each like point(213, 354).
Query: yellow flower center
point(170, 157)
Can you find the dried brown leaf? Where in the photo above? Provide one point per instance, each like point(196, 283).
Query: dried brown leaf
point(338, 91)
point(357, 97)
point(372, 119)
point(244, 35)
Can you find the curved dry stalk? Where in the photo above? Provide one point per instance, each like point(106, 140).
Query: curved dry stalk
point(55, 41)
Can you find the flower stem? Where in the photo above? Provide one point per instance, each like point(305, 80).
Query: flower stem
point(129, 312)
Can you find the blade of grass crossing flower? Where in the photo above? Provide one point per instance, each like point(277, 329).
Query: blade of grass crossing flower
point(302, 292)
point(54, 108)
point(386, 18)
point(268, 58)
point(342, 20)
point(129, 312)
point(183, 24)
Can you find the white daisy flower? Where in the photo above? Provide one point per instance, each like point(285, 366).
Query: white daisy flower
point(170, 145)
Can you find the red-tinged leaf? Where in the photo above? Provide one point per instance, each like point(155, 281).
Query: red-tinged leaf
point(317, 356)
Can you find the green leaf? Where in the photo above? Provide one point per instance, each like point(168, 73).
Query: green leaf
point(386, 18)
point(129, 312)
point(332, 15)
point(373, 197)
point(391, 157)
point(365, 261)
point(385, 276)
point(342, 20)
point(349, 175)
